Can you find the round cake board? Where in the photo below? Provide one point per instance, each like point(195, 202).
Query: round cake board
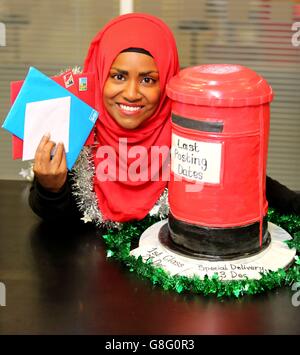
point(277, 255)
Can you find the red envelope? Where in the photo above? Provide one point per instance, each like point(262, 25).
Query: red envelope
point(17, 143)
point(83, 87)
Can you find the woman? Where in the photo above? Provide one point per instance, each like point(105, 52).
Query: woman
point(133, 58)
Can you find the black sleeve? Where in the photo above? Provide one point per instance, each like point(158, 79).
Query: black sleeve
point(53, 206)
point(62, 206)
point(282, 198)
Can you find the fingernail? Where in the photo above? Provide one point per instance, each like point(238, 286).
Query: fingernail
point(47, 135)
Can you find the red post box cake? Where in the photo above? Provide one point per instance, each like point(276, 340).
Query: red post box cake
point(220, 130)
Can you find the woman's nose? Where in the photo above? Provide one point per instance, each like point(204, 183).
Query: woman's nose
point(131, 91)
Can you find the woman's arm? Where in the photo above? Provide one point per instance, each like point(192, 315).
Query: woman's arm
point(50, 194)
point(53, 206)
point(282, 198)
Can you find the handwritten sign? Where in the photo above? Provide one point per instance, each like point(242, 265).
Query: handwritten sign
point(175, 264)
point(162, 258)
point(229, 271)
point(196, 160)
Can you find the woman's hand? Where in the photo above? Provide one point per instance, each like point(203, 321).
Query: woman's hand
point(50, 173)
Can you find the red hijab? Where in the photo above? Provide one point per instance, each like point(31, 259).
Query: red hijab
point(122, 201)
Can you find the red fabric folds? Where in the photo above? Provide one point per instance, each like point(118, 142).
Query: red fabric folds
point(130, 200)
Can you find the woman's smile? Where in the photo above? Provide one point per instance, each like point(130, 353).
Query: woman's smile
point(129, 110)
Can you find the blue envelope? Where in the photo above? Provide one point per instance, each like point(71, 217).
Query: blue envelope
point(43, 106)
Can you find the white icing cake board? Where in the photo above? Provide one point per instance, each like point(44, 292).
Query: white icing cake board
point(276, 255)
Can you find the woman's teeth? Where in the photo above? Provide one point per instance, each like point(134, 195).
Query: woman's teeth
point(130, 108)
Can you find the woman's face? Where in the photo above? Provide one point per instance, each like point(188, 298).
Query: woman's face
point(131, 92)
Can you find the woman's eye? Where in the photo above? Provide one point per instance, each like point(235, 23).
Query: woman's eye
point(118, 77)
point(148, 80)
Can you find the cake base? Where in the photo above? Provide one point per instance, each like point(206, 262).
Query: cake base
point(154, 244)
point(215, 243)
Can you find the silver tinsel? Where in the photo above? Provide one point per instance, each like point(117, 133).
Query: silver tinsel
point(75, 70)
point(27, 174)
point(82, 188)
point(83, 174)
point(161, 207)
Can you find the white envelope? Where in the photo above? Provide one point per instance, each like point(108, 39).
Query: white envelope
point(47, 116)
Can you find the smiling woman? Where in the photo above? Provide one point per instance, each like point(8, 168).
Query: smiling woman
point(133, 57)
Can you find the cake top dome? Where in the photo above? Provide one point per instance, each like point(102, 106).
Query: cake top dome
point(228, 85)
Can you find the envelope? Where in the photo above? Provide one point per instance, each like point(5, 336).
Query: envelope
point(36, 101)
point(57, 123)
point(86, 94)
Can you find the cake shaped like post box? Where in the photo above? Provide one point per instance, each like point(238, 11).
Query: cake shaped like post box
point(220, 130)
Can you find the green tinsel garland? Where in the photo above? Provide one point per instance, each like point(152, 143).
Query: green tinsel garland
point(119, 243)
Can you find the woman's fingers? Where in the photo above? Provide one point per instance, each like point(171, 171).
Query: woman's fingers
point(43, 152)
point(63, 163)
point(58, 156)
point(43, 162)
point(51, 173)
point(45, 139)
